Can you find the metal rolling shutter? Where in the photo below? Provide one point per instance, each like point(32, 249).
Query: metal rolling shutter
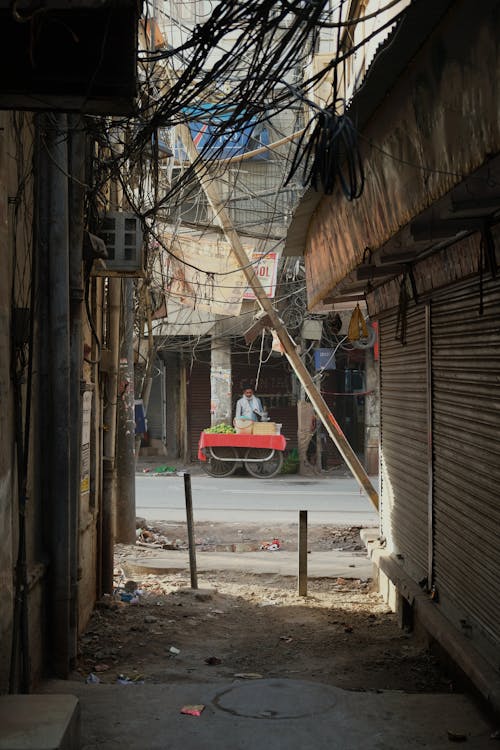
point(466, 440)
point(404, 442)
point(156, 405)
point(198, 404)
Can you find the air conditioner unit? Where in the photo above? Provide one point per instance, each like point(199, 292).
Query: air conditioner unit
point(122, 235)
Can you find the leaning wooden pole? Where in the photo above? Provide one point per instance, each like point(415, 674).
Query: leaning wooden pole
point(331, 425)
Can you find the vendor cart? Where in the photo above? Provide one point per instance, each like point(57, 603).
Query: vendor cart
point(221, 454)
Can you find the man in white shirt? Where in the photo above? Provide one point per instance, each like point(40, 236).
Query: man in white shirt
point(249, 406)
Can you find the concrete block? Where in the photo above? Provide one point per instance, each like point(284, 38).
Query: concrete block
point(39, 722)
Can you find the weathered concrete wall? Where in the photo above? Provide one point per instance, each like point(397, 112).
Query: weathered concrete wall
point(6, 425)
point(87, 583)
point(440, 122)
point(16, 248)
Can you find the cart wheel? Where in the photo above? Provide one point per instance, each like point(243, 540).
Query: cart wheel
point(217, 468)
point(263, 469)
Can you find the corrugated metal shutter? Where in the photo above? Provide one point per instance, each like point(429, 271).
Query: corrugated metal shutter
point(466, 440)
point(156, 406)
point(198, 404)
point(404, 444)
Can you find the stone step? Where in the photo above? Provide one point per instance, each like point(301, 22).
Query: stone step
point(39, 722)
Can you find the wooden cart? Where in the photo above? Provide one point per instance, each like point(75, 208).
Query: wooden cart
point(261, 455)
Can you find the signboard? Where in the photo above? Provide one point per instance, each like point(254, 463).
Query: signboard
point(85, 454)
point(266, 271)
point(218, 133)
point(202, 273)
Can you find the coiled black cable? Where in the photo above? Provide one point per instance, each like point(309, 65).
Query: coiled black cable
point(331, 156)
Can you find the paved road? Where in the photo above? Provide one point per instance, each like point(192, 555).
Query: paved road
point(332, 500)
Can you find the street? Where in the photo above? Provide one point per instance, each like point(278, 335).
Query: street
point(239, 499)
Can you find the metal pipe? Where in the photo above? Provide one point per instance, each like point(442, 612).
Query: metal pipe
point(125, 442)
point(109, 439)
point(190, 529)
point(302, 586)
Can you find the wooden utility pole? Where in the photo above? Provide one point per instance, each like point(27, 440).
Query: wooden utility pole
point(221, 214)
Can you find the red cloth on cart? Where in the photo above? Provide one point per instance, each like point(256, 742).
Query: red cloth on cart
point(271, 442)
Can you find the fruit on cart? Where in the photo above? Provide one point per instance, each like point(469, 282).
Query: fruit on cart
point(221, 429)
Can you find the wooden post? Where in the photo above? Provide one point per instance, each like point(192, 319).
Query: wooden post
point(190, 528)
point(322, 410)
point(302, 552)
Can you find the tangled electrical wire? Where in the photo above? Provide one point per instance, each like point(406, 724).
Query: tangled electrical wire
point(236, 68)
point(259, 48)
point(269, 40)
point(331, 156)
point(230, 73)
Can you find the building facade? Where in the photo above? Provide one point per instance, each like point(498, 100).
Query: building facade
point(421, 245)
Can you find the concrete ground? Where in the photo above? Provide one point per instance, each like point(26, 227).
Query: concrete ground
point(329, 564)
point(278, 714)
point(248, 714)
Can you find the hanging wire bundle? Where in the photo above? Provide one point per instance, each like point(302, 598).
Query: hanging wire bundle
point(331, 156)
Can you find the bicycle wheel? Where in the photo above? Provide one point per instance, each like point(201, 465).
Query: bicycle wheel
point(217, 468)
point(265, 469)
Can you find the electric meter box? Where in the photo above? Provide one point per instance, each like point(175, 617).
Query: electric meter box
point(324, 359)
point(312, 330)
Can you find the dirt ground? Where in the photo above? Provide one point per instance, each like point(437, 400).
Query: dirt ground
point(341, 634)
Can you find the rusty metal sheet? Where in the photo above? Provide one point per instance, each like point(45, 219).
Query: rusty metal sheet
point(438, 124)
point(450, 265)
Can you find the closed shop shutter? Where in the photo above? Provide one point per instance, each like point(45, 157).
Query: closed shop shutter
point(466, 441)
point(404, 443)
point(198, 404)
point(156, 404)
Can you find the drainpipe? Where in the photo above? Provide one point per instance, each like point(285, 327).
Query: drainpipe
point(76, 143)
point(125, 443)
point(109, 440)
point(147, 381)
point(124, 515)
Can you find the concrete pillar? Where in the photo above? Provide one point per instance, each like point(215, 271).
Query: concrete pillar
point(220, 380)
point(372, 414)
